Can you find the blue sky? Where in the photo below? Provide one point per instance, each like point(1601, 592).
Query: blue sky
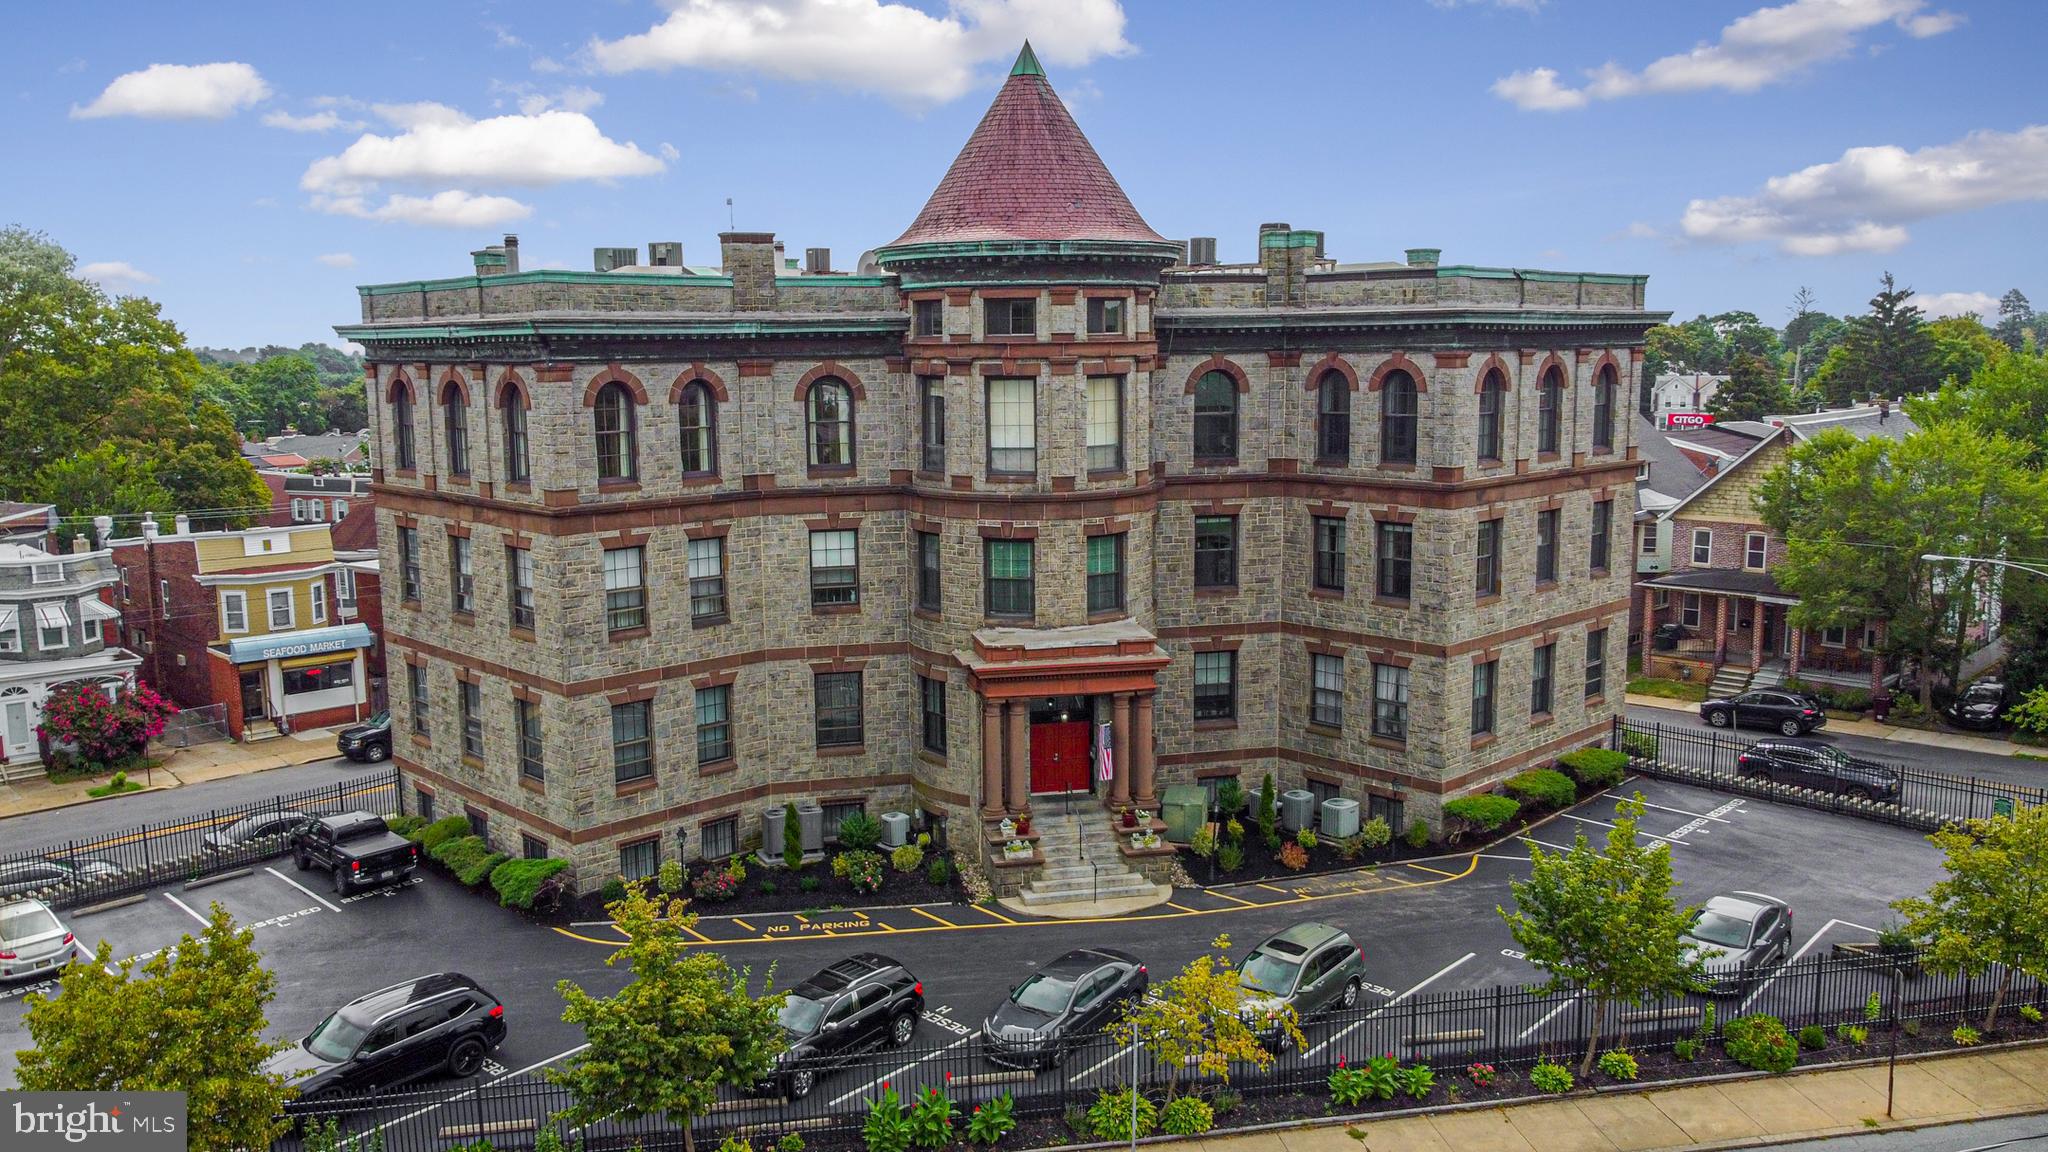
point(248, 164)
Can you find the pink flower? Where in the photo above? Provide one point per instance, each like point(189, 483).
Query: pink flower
point(1340, 1062)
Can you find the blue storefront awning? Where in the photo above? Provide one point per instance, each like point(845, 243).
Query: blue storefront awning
point(310, 642)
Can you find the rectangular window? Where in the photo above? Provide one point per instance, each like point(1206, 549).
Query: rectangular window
point(280, 602)
point(932, 711)
point(835, 813)
point(1649, 546)
point(1215, 686)
point(426, 803)
point(531, 847)
point(1546, 547)
point(835, 567)
point(1106, 573)
point(1702, 547)
point(1008, 579)
point(640, 861)
point(836, 700)
point(1486, 566)
point(10, 633)
point(928, 571)
point(928, 317)
point(345, 591)
point(298, 510)
point(163, 598)
point(1326, 690)
point(519, 586)
point(234, 612)
point(1012, 426)
point(1834, 637)
point(719, 838)
point(340, 511)
point(316, 510)
point(1390, 701)
point(46, 573)
point(461, 576)
point(1328, 532)
point(526, 713)
point(1689, 609)
point(625, 589)
point(1542, 679)
point(1753, 551)
point(470, 704)
point(1483, 677)
point(933, 417)
point(317, 593)
point(707, 578)
point(632, 741)
point(714, 724)
point(1396, 560)
point(1105, 315)
point(1215, 551)
point(1603, 530)
point(1105, 423)
point(409, 564)
point(319, 677)
point(1011, 316)
point(416, 676)
point(1596, 663)
point(479, 823)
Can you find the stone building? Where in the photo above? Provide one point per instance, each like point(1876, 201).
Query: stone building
point(675, 544)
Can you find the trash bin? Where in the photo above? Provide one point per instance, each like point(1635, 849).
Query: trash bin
point(1297, 809)
point(1340, 818)
point(1185, 808)
point(895, 829)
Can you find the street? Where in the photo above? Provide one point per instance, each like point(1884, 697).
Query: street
point(1953, 761)
point(87, 822)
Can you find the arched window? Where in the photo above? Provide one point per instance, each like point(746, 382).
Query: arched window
point(1333, 418)
point(512, 410)
point(1603, 410)
point(828, 418)
point(401, 428)
point(1549, 410)
point(455, 426)
point(1397, 418)
point(1215, 417)
point(617, 454)
point(697, 413)
point(1492, 400)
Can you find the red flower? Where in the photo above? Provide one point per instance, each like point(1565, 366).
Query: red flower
point(1340, 1062)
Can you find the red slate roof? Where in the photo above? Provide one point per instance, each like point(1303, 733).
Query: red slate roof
point(1028, 173)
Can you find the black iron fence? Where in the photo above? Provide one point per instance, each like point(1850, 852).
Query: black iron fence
point(1925, 800)
point(124, 861)
point(1505, 1026)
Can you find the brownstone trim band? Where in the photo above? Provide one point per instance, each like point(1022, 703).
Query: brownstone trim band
point(755, 368)
point(716, 679)
point(614, 374)
point(837, 664)
point(401, 385)
point(460, 531)
point(522, 692)
point(468, 676)
point(834, 369)
point(1107, 528)
point(1393, 515)
point(451, 377)
point(1007, 531)
point(1493, 363)
point(1218, 364)
point(1216, 644)
point(1331, 362)
point(698, 374)
point(511, 385)
point(632, 695)
point(1450, 359)
point(627, 538)
point(1013, 293)
point(1231, 635)
point(707, 531)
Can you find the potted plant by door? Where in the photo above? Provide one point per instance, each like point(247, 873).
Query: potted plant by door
point(1024, 824)
point(1130, 818)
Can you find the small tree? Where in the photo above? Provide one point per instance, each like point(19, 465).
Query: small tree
point(1193, 1020)
point(1993, 906)
point(1268, 815)
point(684, 1025)
point(792, 839)
point(104, 729)
point(1604, 925)
point(190, 1020)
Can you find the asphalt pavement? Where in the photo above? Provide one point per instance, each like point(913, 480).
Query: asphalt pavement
point(2018, 1133)
point(1911, 754)
point(85, 823)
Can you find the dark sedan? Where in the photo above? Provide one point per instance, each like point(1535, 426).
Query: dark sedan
point(1981, 706)
point(24, 877)
point(1061, 1005)
point(280, 822)
point(1821, 767)
point(1786, 712)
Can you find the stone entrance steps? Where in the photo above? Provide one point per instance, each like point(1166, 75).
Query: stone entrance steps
point(1081, 863)
point(1729, 680)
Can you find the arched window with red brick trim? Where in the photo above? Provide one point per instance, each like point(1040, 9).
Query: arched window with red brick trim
point(1333, 418)
point(697, 414)
point(1215, 417)
point(1398, 418)
point(828, 422)
point(618, 455)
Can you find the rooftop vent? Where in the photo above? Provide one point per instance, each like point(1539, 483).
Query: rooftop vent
point(817, 261)
point(1423, 257)
point(606, 259)
point(665, 254)
point(1202, 250)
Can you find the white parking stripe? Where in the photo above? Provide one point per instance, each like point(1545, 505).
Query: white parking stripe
point(1639, 832)
point(1780, 969)
point(1548, 1017)
point(1545, 843)
point(844, 1097)
point(203, 921)
point(419, 1112)
point(1683, 812)
point(1433, 978)
point(303, 888)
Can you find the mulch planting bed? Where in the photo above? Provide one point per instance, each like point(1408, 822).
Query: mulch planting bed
point(790, 896)
point(1325, 857)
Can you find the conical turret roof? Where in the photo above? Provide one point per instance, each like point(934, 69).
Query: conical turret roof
point(1028, 174)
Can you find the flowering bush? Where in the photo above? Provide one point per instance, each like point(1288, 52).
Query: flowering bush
point(861, 869)
point(1293, 857)
point(1481, 1075)
point(715, 885)
point(104, 730)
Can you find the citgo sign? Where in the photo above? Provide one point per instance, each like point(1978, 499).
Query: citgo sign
point(1687, 419)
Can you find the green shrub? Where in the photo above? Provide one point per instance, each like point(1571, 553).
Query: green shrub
point(478, 871)
point(861, 869)
point(1965, 1036)
point(769, 887)
point(1813, 1038)
point(1483, 812)
point(886, 1129)
point(859, 832)
point(792, 839)
point(1230, 857)
point(734, 1142)
point(1853, 1034)
point(1760, 1042)
point(1187, 1116)
point(907, 859)
point(1640, 745)
point(1417, 1080)
point(1109, 1118)
point(434, 835)
point(1269, 815)
point(1617, 1065)
point(405, 825)
point(1230, 796)
point(1873, 1008)
point(1555, 1079)
point(468, 857)
point(931, 1119)
point(1224, 1101)
point(2030, 1014)
point(808, 884)
point(1233, 830)
point(1375, 834)
point(669, 878)
point(2030, 715)
point(790, 1142)
point(1378, 1079)
point(1685, 1048)
point(993, 1120)
point(1203, 843)
point(1544, 786)
point(1306, 839)
point(1417, 836)
point(938, 870)
point(614, 890)
point(1597, 768)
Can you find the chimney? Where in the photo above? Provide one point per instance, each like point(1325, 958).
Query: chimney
point(749, 258)
point(817, 261)
point(665, 254)
point(80, 544)
point(489, 261)
point(1285, 253)
point(606, 259)
point(782, 261)
point(511, 253)
point(1423, 257)
point(149, 525)
point(102, 529)
point(184, 524)
point(1202, 251)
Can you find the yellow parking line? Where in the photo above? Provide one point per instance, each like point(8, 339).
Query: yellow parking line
point(588, 939)
point(934, 919)
point(992, 912)
point(882, 924)
point(800, 918)
point(1282, 891)
point(1182, 907)
point(699, 935)
point(1427, 868)
point(1235, 900)
point(743, 924)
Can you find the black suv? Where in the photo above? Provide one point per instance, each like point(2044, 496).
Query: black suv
point(1787, 712)
point(370, 740)
point(443, 1023)
point(857, 1005)
point(1821, 767)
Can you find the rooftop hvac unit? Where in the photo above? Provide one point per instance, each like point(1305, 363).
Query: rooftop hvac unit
point(817, 261)
point(1202, 250)
point(665, 254)
point(606, 259)
point(1297, 809)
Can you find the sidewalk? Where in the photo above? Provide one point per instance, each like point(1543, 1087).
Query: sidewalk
point(1869, 729)
point(195, 765)
point(1941, 1089)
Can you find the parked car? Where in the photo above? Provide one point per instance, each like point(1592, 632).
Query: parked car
point(1822, 767)
point(356, 848)
point(20, 876)
point(34, 944)
point(276, 822)
point(1981, 706)
point(370, 740)
point(1788, 712)
point(1310, 967)
point(1060, 1005)
point(863, 1002)
point(1739, 935)
point(445, 1023)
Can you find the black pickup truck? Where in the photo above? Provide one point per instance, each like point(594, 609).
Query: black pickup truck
point(356, 848)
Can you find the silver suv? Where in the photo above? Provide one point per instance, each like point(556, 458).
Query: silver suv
point(1311, 968)
point(1739, 935)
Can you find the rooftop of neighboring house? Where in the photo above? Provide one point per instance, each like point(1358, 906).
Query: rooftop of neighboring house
point(328, 446)
point(1672, 473)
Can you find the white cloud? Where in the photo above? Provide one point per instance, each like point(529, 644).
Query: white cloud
point(1982, 305)
point(440, 145)
point(323, 121)
point(547, 64)
point(450, 209)
point(115, 274)
point(337, 259)
point(874, 46)
point(1637, 230)
point(1863, 201)
point(179, 92)
point(570, 99)
point(1768, 46)
point(669, 152)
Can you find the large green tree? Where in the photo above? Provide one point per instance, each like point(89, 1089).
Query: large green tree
point(2007, 397)
point(2016, 320)
point(189, 1019)
point(1963, 347)
point(1754, 390)
point(1992, 908)
point(1888, 351)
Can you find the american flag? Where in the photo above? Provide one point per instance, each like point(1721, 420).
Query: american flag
point(1105, 757)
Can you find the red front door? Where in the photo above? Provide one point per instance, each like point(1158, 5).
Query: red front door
point(1059, 757)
